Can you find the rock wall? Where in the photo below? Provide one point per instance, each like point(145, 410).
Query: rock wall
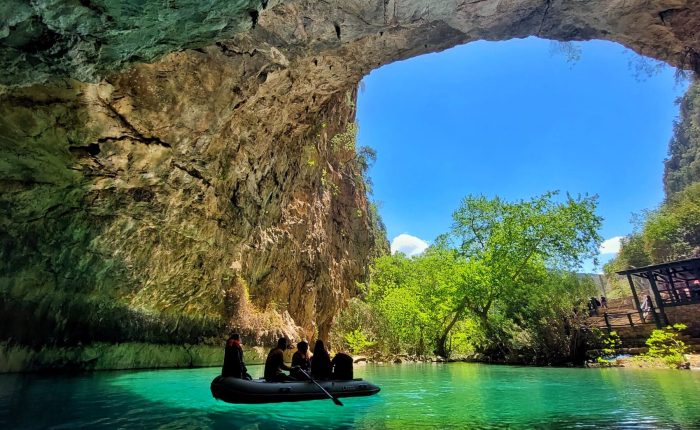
point(218, 187)
point(155, 204)
point(86, 40)
point(688, 315)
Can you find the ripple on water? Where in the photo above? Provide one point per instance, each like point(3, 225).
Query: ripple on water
point(421, 396)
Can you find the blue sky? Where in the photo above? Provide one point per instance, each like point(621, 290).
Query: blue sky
point(515, 119)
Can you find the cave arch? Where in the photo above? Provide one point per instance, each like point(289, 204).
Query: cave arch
point(193, 179)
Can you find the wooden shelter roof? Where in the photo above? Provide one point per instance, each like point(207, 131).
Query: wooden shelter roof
point(688, 269)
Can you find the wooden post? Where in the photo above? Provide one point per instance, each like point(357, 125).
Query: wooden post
point(657, 320)
point(607, 322)
point(659, 301)
point(629, 317)
point(673, 286)
point(635, 297)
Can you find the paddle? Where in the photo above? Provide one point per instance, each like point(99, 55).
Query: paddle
point(335, 399)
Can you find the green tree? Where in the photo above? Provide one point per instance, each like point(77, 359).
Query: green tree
point(673, 231)
point(499, 280)
point(415, 297)
point(632, 254)
point(682, 166)
point(404, 292)
point(508, 250)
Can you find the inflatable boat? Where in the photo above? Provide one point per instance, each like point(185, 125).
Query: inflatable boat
point(235, 390)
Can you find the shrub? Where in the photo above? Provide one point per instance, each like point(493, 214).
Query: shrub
point(666, 346)
point(357, 341)
point(611, 345)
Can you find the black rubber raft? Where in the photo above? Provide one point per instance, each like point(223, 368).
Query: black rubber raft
point(235, 390)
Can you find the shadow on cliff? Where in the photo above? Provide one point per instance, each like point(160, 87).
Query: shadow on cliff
point(62, 282)
point(69, 218)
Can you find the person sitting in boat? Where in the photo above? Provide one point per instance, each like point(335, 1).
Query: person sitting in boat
point(321, 362)
point(342, 367)
point(274, 365)
point(301, 360)
point(233, 359)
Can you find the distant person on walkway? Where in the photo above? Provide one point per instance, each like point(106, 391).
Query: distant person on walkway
point(695, 289)
point(233, 359)
point(302, 360)
point(342, 367)
point(321, 362)
point(603, 302)
point(274, 365)
point(593, 305)
point(647, 306)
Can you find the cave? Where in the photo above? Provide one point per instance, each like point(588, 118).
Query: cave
point(169, 173)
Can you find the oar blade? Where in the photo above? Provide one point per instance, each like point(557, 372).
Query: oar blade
point(335, 399)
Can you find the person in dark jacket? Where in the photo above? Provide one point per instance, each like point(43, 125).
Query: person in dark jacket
point(301, 360)
point(342, 366)
point(233, 358)
point(274, 365)
point(321, 362)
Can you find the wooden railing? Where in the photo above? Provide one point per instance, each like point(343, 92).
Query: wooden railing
point(631, 319)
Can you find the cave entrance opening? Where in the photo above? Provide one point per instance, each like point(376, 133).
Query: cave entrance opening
point(515, 119)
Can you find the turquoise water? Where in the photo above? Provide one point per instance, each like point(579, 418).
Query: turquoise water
point(420, 396)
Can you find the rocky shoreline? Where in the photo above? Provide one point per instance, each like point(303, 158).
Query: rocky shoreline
point(141, 356)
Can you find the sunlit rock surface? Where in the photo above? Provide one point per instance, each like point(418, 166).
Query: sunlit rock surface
point(203, 190)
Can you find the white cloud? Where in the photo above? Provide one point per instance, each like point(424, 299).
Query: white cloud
point(611, 246)
point(409, 245)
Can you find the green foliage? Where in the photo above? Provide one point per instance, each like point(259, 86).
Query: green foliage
point(611, 345)
point(632, 254)
point(358, 316)
point(328, 183)
point(381, 243)
point(395, 291)
point(499, 281)
point(666, 346)
point(310, 154)
point(513, 252)
point(364, 159)
point(349, 100)
point(682, 167)
point(672, 232)
point(357, 341)
point(347, 139)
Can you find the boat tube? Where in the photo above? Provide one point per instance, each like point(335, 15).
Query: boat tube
point(236, 390)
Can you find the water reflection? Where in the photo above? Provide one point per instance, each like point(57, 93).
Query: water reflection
point(425, 396)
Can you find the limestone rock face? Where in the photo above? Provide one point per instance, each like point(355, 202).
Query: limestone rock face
point(218, 187)
point(184, 195)
point(85, 40)
point(41, 39)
